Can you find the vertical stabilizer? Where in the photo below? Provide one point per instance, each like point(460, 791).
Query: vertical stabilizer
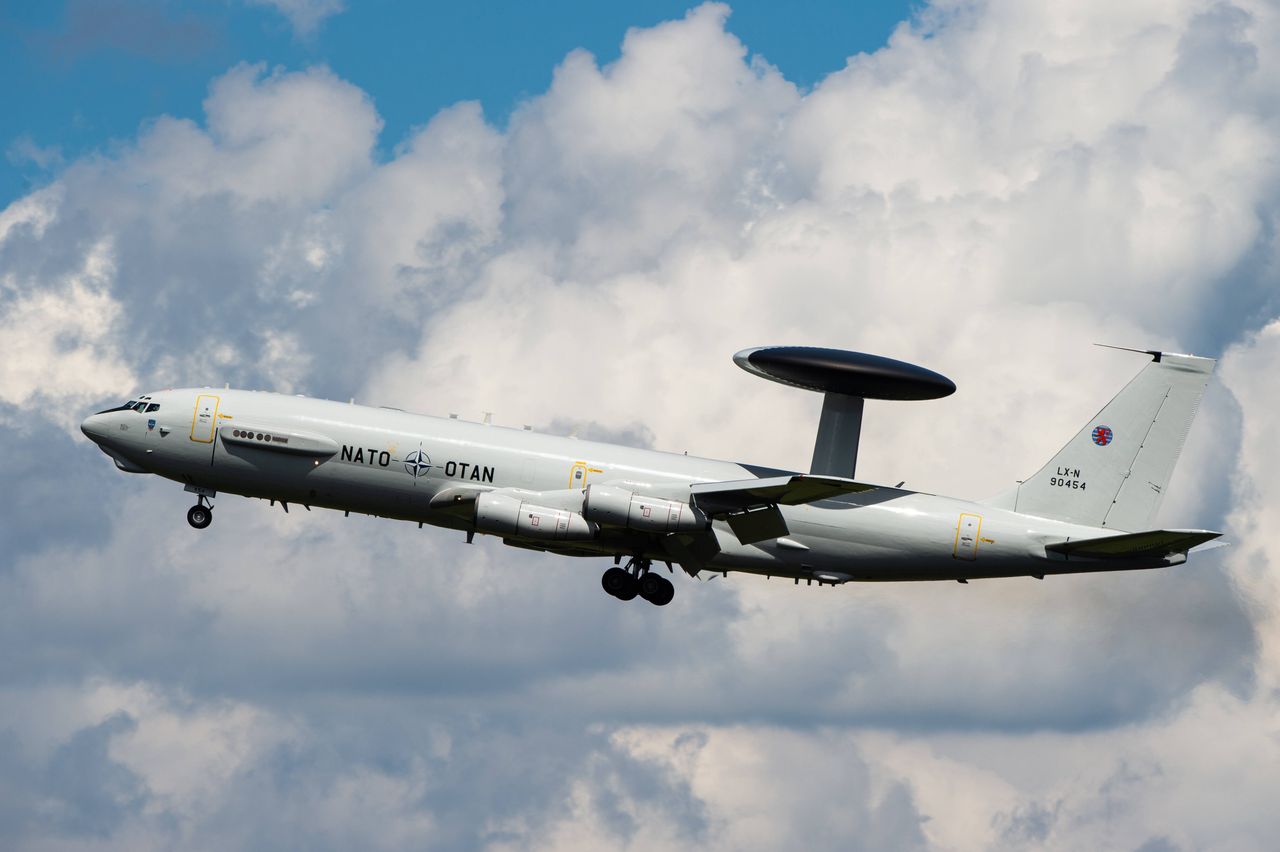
point(1114, 472)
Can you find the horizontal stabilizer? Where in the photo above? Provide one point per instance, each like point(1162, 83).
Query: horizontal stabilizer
point(1153, 544)
point(718, 498)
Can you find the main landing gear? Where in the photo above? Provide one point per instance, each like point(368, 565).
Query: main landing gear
point(636, 579)
point(200, 515)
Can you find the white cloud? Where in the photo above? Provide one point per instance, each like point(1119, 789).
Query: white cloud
point(35, 211)
point(1248, 370)
point(271, 137)
point(186, 752)
point(418, 225)
point(305, 16)
point(60, 343)
point(24, 149)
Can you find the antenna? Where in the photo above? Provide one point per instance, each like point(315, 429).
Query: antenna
point(846, 380)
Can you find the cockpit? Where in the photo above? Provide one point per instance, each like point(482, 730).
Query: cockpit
point(143, 405)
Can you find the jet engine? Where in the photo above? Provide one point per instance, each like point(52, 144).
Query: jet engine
point(507, 515)
point(617, 507)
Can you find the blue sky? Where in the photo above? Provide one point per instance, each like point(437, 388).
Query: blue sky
point(84, 74)
point(280, 195)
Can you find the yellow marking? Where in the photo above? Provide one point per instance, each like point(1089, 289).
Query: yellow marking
point(225, 417)
point(594, 470)
point(977, 535)
point(195, 418)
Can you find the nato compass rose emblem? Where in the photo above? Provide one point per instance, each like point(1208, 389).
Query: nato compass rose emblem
point(1103, 435)
point(417, 463)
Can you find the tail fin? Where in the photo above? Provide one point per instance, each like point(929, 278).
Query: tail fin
point(1114, 472)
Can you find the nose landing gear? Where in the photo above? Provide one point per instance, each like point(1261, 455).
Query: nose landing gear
point(636, 579)
point(200, 515)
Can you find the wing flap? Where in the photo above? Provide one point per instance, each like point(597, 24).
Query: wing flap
point(756, 525)
point(1155, 544)
point(719, 498)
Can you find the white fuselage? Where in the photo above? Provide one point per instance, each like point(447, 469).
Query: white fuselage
point(391, 463)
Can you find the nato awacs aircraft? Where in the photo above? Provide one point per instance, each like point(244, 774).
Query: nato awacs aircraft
point(1088, 509)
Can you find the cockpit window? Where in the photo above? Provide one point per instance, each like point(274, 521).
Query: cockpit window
point(139, 406)
point(128, 406)
point(154, 406)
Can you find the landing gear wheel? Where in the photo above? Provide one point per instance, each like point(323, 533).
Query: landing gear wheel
point(619, 583)
point(656, 589)
point(200, 516)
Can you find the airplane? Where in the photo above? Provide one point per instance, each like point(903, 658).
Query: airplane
point(1088, 509)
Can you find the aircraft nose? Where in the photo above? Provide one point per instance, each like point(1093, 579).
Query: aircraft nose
point(94, 427)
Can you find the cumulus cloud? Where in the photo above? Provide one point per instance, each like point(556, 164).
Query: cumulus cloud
point(1247, 369)
point(286, 138)
point(60, 342)
point(999, 187)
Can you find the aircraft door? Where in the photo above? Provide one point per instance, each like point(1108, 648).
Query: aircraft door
point(967, 530)
point(204, 420)
point(580, 473)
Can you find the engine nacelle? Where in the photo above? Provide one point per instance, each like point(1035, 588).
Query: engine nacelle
point(506, 515)
point(617, 507)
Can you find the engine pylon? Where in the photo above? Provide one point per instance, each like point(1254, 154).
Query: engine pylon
point(846, 380)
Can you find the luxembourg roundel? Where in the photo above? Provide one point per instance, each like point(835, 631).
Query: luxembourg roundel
point(1102, 435)
point(417, 463)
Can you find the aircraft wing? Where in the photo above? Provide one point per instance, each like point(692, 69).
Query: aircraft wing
point(1155, 544)
point(720, 498)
